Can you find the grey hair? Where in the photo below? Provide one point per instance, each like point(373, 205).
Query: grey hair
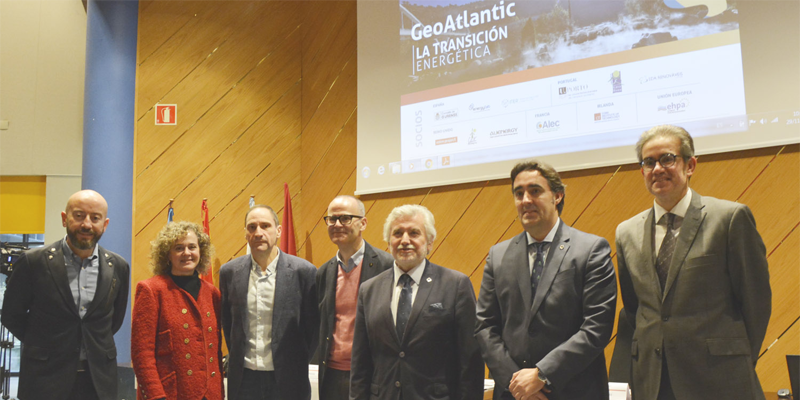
point(667, 131)
point(410, 210)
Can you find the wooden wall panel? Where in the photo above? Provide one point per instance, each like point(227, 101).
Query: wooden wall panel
point(330, 41)
point(330, 116)
point(267, 94)
point(222, 125)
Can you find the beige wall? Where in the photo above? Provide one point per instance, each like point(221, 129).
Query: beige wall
point(42, 58)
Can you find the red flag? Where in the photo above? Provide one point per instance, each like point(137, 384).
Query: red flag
point(288, 245)
point(209, 276)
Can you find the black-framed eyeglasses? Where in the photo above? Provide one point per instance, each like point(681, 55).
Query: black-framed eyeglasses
point(343, 219)
point(666, 160)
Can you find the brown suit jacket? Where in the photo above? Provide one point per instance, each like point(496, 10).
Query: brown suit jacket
point(713, 315)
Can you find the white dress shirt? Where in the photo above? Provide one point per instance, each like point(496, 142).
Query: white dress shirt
point(661, 221)
point(532, 249)
point(260, 302)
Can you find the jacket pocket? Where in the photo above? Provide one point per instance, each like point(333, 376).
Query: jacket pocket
point(111, 353)
point(170, 385)
point(440, 389)
point(375, 389)
point(164, 343)
point(728, 347)
point(708, 259)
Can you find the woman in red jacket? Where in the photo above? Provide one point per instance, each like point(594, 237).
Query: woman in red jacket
point(175, 340)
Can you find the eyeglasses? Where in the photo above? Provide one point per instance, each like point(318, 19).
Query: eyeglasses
point(666, 160)
point(345, 220)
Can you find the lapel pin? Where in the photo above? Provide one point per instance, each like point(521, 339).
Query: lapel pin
point(429, 280)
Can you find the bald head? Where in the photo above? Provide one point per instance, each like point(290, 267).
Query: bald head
point(85, 197)
point(85, 220)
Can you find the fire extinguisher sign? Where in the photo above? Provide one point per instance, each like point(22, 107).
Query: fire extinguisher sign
point(166, 114)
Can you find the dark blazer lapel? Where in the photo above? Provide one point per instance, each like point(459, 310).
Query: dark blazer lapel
point(58, 270)
point(429, 278)
point(647, 255)
point(516, 261)
point(284, 288)
point(330, 291)
point(241, 284)
point(384, 290)
point(689, 228)
point(105, 279)
point(368, 269)
point(555, 256)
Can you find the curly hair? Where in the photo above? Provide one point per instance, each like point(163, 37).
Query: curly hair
point(171, 233)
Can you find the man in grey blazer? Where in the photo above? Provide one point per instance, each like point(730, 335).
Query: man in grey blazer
point(269, 315)
point(700, 304)
point(547, 302)
point(64, 302)
point(413, 335)
point(338, 281)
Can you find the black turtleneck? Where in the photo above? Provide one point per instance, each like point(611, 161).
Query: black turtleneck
point(190, 284)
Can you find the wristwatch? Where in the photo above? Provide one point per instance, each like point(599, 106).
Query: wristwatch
point(543, 378)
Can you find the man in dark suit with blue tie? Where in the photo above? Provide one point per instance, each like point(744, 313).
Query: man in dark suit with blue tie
point(547, 300)
point(269, 315)
point(414, 322)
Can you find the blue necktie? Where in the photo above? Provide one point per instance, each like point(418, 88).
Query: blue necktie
point(538, 266)
point(403, 305)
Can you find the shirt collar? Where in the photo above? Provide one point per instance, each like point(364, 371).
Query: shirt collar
point(550, 235)
point(271, 267)
point(356, 258)
point(679, 209)
point(415, 273)
point(68, 251)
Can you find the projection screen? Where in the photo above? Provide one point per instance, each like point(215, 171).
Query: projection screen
point(459, 91)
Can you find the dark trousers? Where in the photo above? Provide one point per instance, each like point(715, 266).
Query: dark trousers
point(258, 385)
point(83, 388)
point(336, 385)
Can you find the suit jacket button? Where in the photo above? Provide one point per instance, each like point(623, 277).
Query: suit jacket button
point(665, 319)
point(189, 372)
point(208, 314)
point(402, 354)
point(209, 329)
point(185, 326)
point(658, 352)
point(213, 374)
point(184, 311)
point(188, 356)
point(397, 383)
point(323, 363)
point(210, 345)
point(186, 340)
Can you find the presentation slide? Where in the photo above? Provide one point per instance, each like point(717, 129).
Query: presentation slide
point(457, 91)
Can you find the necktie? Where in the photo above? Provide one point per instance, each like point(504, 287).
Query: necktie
point(665, 252)
point(538, 265)
point(403, 305)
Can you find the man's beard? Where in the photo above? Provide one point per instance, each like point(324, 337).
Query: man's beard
point(83, 244)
